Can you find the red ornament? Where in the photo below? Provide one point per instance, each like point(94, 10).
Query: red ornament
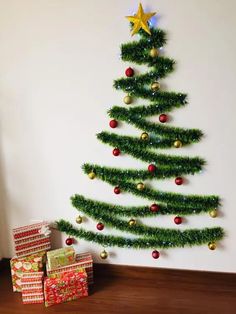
point(113, 124)
point(117, 190)
point(154, 208)
point(155, 254)
point(152, 168)
point(69, 241)
point(179, 181)
point(129, 72)
point(178, 220)
point(163, 118)
point(100, 226)
point(116, 152)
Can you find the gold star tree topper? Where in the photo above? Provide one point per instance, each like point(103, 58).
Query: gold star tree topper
point(140, 20)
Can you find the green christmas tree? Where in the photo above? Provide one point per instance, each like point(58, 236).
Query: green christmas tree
point(154, 138)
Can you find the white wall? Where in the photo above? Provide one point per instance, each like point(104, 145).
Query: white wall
point(58, 59)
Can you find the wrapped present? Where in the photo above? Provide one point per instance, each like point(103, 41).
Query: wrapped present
point(19, 266)
point(82, 260)
point(60, 257)
point(67, 287)
point(32, 288)
point(32, 239)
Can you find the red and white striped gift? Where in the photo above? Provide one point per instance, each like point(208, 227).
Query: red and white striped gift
point(32, 239)
point(32, 288)
point(83, 260)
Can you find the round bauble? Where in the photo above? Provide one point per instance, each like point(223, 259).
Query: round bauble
point(155, 254)
point(127, 100)
point(213, 213)
point(155, 86)
point(129, 72)
point(132, 222)
point(144, 136)
point(178, 220)
point(117, 190)
point(154, 52)
point(154, 208)
point(92, 175)
point(163, 118)
point(140, 186)
point(103, 254)
point(69, 241)
point(152, 168)
point(113, 124)
point(212, 246)
point(178, 144)
point(179, 181)
point(100, 226)
point(116, 152)
point(79, 220)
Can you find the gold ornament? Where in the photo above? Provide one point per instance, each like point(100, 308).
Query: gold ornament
point(212, 245)
point(178, 144)
point(140, 20)
point(144, 136)
point(132, 222)
point(154, 52)
point(155, 86)
point(140, 186)
point(92, 175)
point(127, 100)
point(103, 254)
point(213, 213)
point(79, 219)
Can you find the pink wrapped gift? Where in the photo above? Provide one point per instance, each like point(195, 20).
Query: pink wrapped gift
point(32, 288)
point(67, 287)
point(32, 239)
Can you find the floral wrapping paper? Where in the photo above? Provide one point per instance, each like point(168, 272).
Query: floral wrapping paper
point(32, 239)
point(67, 287)
point(82, 260)
point(19, 266)
point(60, 257)
point(32, 288)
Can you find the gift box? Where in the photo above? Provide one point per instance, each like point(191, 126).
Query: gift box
point(67, 287)
point(32, 288)
point(19, 266)
point(60, 257)
point(82, 260)
point(32, 239)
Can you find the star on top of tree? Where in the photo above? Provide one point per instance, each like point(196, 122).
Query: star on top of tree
point(140, 20)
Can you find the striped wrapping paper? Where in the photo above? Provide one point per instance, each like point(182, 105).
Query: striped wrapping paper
point(32, 239)
point(83, 260)
point(32, 288)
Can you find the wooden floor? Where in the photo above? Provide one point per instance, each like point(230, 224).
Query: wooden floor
point(121, 289)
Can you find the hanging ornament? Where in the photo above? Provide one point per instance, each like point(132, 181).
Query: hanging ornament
point(117, 190)
point(132, 222)
point(69, 241)
point(144, 136)
point(212, 245)
point(178, 220)
point(178, 144)
point(116, 152)
point(154, 208)
point(140, 20)
point(127, 100)
point(129, 72)
point(113, 124)
point(155, 86)
point(179, 181)
point(140, 186)
point(103, 254)
point(213, 213)
point(79, 220)
point(100, 226)
point(92, 175)
point(163, 118)
point(155, 254)
point(152, 168)
point(153, 52)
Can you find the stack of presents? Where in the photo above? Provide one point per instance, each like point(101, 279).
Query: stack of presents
point(67, 274)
